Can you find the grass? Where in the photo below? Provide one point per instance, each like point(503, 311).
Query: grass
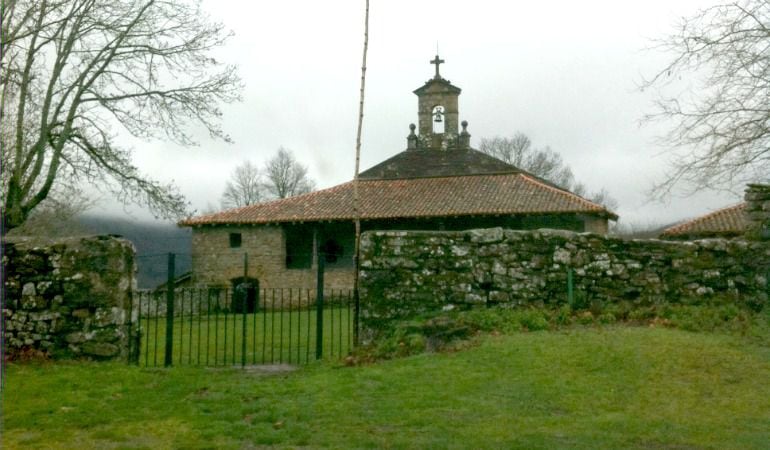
point(598, 387)
point(223, 339)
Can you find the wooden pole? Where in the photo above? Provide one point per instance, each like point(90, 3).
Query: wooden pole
point(356, 199)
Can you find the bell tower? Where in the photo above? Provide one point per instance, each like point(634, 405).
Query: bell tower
point(437, 112)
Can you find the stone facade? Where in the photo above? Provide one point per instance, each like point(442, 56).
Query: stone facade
point(70, 297)
point(404, 274)
point(216, 263)
point(758, 211)
point(593, 224)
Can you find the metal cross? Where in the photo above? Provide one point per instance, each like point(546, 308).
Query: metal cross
point(437, 61)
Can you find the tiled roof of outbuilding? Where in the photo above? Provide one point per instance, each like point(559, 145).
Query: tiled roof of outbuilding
point(442, 196)
point(730, 221)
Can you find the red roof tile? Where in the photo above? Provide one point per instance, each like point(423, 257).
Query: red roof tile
point(514, 193)
point(725, 221)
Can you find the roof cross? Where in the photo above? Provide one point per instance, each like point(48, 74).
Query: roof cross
point(437, 61)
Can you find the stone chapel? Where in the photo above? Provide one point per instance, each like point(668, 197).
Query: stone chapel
point(437, 183)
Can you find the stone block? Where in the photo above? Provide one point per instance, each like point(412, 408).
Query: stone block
point(28, 290)
point(100, 349)
point(81, 313)
point(486, 235)
point(76, 337)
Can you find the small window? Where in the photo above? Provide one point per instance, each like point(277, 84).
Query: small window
point(235, 240)
point(332, 250)
point(338, 251)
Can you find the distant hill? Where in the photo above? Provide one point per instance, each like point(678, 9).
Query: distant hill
point(153, 242)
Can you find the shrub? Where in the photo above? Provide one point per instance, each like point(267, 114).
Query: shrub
point(607, 318)
point(533, 320)
point(450, 329)
point(563, 315)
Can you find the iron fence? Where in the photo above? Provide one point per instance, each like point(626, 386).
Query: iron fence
point(225, 327)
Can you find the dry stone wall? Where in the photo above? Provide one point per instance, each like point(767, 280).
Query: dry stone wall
point(757, 198)
point(70, 297)
point(408, 273)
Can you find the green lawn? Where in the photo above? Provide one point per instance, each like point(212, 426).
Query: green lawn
point(613, 387)
point(224, 339)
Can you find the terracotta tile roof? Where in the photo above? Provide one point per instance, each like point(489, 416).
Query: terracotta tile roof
point(730, 221)
point(513, 193)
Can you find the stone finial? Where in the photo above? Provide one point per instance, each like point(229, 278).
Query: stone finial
point(465, 137)
point(757, 198)
point(411, 140)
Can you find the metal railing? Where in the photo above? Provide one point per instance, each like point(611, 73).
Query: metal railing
point(243, 326)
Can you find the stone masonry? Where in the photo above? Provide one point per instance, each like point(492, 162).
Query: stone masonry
point(405, 274)
point(69, 297)
point(214, 263)
point(757, 198)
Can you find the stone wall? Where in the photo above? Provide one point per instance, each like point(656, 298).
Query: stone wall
point(215, 263)
point(69, 297)
point(407, 273)
point(757, 198)
point(593, 224)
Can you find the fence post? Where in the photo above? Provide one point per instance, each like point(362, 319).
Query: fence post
point(244, 306)
point(170, 310)
point(134, 358)
point(356, 314)
point(319, 303)
point(570, 292)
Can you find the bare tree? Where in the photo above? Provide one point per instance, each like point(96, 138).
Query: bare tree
point(720, 137)
point(245, 187)
point(517, 150)
point(285, 176)
point(548, 164)
point(75, 71)
point(545, 163)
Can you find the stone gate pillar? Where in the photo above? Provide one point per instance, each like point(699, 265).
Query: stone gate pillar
point(757, 198)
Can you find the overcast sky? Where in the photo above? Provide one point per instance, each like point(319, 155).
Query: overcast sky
point(563, 72)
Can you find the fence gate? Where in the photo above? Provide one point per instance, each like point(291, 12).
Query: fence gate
point(243, 325)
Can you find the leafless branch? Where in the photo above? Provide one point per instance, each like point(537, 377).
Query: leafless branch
point(73, 70)
point(719, 135)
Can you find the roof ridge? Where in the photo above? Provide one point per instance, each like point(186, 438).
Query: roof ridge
point(674, 229)
point(494, 174)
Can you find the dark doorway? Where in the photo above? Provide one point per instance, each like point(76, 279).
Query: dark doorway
point(245, 295)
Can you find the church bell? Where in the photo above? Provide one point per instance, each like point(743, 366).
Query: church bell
point(437, 116)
